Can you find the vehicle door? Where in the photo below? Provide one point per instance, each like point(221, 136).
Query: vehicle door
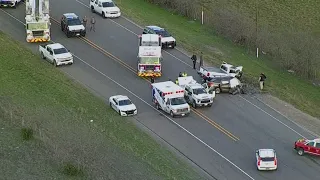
point(317, 148)
point(96, 7)
point(310, 147)
point(49, 54)
point(188, 94)
point(114, 104)
point(167, 106)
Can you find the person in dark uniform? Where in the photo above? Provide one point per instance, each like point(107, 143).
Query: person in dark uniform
point(262, 78)
point(84, 21)
point(180, 74)
point(152, 80)
point(194, 60)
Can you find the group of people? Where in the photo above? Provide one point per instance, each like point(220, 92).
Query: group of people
point(92, 23)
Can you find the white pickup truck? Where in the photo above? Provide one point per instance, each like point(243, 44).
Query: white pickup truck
point(107, 8)
point(224, 70)
point(195, 94)
point(56, 54)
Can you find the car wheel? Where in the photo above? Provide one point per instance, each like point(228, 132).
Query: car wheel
point(83, 34)
point(55, 63)
point(157, 106)
point(15, 5)
point(218, 90)
point(68, 34)
point(42, 56)
point(104, 15)
point(171, 114)
point(62, 29)
point(92, 9)
point(119, 113)
point(110, 104)
point(300, 152)
point(209, 105)
point(194, 105)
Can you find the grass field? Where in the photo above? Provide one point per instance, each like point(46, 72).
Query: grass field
point(194, 37)
point(65, 144)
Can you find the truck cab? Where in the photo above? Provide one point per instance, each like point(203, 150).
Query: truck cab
point(194, 93)
point(169, 97)
point(303, 146)
point(224, 70)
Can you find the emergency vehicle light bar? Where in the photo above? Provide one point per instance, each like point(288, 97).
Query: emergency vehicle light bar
point(180, 91)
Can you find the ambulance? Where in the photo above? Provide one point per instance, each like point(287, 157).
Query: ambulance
point(149, 56)
point(169, 97)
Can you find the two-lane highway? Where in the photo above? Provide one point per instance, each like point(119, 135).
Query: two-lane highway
point(206, 131)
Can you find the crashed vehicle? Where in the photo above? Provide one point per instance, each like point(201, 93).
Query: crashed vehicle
point(224, 70)
point(223, 84)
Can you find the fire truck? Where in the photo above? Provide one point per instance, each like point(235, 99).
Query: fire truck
point(37, 21)
point(149, 56)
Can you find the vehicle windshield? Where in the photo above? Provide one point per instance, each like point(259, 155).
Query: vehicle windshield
point(60, 51)
point(178, 101)
point(74, 22)
point(108, 4)
point(149, 43)
point(267, 159)
point(37, 26)
point(125, 102)
point(149, 60)
point(199, 91)
point(163, 33)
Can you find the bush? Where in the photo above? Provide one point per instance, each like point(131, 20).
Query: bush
point(27, 134)
point(71, 170)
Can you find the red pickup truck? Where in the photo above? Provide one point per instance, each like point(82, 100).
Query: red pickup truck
point(303, 146)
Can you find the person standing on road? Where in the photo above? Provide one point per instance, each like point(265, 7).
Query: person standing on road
point(262, 78)
point(93, 22)
point(180, 74)
point(194, 60)
point(84, 21)
point(152, 80)
point(201, 60)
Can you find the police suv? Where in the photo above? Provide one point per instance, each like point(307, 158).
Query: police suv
point(71, 25)
point(167, 40)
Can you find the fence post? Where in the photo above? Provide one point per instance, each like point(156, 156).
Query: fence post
point(202, 16)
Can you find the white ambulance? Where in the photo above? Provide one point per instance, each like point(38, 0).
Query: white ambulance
point(169, 97)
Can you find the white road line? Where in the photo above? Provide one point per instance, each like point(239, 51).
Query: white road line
point(194, 136)
point(272, 116)
point(137, 35)
point(300, 126)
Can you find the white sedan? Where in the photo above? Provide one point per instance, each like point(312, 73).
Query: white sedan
point(266, 159)
point(123, 105)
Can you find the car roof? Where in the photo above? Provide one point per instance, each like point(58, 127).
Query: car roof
point(106, 1)
point(120, 97)
point(193, 86)
point(266, 153)
point(56, 46)
point(156, 28)
point(317, 140)
point(70, 15)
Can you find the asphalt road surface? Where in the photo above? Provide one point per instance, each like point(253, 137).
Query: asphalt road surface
point(221, 140)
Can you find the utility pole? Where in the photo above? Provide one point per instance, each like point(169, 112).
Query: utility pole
point(257, 14)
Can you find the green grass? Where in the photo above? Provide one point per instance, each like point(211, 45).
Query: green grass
point(38, 103)
point(195, 37)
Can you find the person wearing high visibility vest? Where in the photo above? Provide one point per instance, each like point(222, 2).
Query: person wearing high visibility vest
point(177, 81)
point(184, 74)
